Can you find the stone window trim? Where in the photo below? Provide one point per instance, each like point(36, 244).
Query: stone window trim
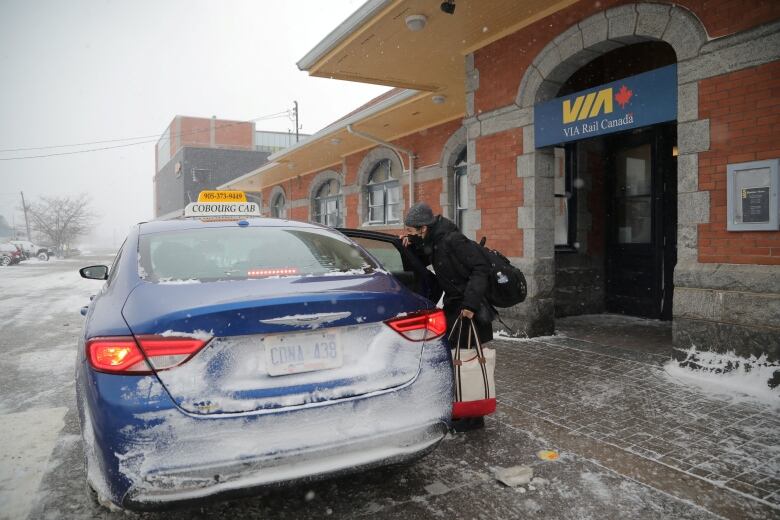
point(541, 81)
point(277, 191)
point(315, 185)
point(580, 44)
point(367, 166)
point(449, 156)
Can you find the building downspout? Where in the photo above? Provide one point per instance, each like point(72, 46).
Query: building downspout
point(398, 149)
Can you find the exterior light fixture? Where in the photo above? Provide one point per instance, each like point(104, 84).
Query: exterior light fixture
point(335, 141)
point(438, 99)
point(416, 22)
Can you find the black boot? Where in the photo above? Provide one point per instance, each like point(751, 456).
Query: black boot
point(468, 424)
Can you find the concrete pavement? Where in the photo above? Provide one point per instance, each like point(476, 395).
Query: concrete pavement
point(598, 389)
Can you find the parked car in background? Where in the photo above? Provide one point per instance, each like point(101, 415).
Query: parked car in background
point(9, 254)
point(32, 250)
point(221, 356)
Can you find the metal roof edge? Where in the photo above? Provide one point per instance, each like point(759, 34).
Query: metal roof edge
point(337, 35)
point(342, 123)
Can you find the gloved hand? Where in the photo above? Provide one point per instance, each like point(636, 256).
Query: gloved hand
point(465, 313)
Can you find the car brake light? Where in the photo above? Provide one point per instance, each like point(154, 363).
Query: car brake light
point(421, 326)
point(116, 354)
point(280, 271)
point(121, 354)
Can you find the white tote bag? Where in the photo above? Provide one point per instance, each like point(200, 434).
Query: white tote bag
point(474, 367)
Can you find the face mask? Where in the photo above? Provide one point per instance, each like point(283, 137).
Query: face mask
point(415, 240)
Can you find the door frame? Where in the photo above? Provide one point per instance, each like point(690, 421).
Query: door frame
point(415, 276)
point(663, 244)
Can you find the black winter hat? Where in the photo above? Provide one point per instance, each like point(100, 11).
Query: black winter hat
point(419, 215)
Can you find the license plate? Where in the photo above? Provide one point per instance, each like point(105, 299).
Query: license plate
point(295, 353)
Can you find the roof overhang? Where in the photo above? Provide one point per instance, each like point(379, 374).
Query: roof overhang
point(375, 46)
point(403, 113)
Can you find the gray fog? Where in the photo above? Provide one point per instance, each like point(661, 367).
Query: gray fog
point(86, 71)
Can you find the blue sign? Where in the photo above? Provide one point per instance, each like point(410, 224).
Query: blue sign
point(633, 102)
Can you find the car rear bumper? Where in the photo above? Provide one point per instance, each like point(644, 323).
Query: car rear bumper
point(248, 476)
point(152, 454)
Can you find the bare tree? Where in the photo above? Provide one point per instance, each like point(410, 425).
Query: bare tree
point(61, 220)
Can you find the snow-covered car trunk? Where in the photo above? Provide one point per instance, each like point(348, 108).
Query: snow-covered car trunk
point(306, 340)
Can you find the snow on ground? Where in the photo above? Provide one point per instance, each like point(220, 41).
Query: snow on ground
point(32, 294)
point(746, 381)
point(48, 361)
point(28, 440)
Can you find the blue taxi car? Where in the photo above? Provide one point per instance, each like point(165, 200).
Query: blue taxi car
point(226, 355)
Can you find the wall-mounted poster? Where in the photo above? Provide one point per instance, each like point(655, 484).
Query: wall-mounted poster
point(752, 196)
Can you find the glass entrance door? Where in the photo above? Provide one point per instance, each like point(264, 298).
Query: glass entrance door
point(641, 223)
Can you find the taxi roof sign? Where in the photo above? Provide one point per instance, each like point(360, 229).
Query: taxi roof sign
point(222, 204)
point(222, 209)
point(222, 196)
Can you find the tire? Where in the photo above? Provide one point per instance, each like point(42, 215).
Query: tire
point(5, 260)
point(43, 256)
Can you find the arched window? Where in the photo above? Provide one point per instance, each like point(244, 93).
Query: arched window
point(460, 189)
point(383, 193)
point(278, 209)
point(327, 204)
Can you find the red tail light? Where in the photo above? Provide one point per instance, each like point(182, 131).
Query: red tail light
point(421, 326)
point(121, 354)
point(280, 271)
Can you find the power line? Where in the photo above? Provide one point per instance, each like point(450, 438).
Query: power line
point(157, 137)
point(270, 116)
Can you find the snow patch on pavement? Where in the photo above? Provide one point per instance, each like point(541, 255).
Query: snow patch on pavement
point(48, 361)
point(738, 378)
point(28, 440)
point(28, 292)
point(505, 336)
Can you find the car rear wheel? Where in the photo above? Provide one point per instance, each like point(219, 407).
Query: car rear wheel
point(5, 260)
point(43, 256)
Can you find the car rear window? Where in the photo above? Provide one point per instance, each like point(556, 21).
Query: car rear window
point(211, 254)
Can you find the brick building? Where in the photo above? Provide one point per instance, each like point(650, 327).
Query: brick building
point(622, 153)
point(195, 154)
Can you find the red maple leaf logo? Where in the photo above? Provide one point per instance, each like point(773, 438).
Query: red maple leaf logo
point(623, 96)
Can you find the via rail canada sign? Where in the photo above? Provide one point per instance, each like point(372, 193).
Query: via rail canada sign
point(633, 102)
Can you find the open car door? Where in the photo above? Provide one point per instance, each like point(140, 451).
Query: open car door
point(396, 259)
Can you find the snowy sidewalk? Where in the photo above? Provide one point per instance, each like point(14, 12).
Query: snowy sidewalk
point(610, 400)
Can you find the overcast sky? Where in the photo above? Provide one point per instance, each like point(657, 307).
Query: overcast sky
point(81, 71)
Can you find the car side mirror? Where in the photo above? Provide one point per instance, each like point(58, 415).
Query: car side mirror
point(94, 272)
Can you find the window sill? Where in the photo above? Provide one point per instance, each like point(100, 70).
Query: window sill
point(566, 249)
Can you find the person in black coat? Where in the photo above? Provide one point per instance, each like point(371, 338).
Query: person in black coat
point(462, 271)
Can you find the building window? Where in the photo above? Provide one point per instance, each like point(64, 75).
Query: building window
point(383, 193)
point(327, 204)
point(278, 209)
point(565, 199)
point(461, 189)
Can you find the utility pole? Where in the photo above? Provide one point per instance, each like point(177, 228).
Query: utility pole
point(26, 222)
point(295, 113)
